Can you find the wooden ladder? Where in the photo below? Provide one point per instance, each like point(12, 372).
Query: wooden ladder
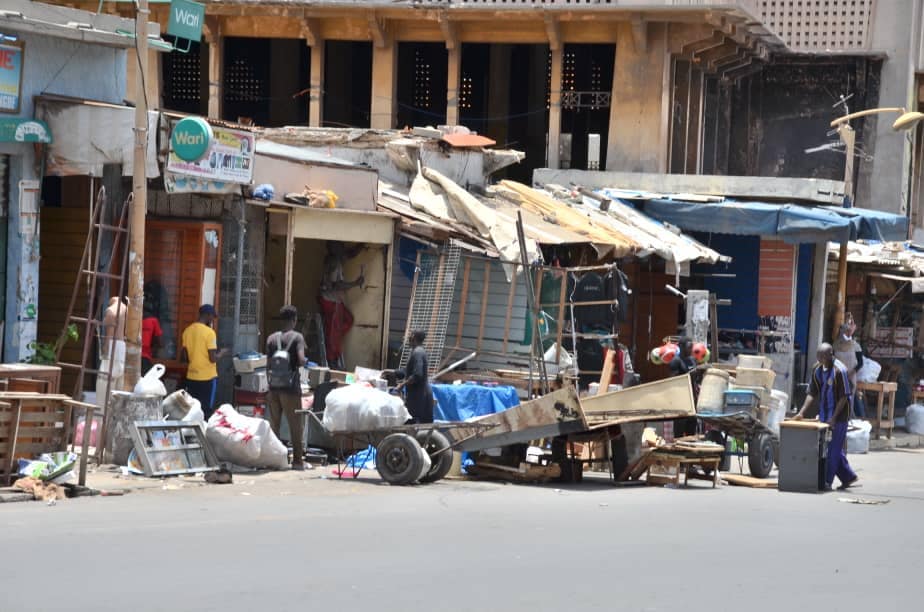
point(93, 268)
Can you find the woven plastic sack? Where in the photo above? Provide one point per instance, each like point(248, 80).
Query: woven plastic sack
point(359, 407)
point(858, 436)
point(244, 441)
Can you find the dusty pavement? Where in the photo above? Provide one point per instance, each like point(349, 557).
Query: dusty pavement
point(293, 541)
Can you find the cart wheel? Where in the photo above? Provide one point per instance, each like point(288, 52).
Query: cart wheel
point(436, 446)
point(776, 452)
point(760, 455)
point(399, 459)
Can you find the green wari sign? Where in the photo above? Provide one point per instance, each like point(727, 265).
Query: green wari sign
point(191, 138)
point(186, 19)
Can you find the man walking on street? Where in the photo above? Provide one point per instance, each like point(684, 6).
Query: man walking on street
point(200, 351)
point(286, 351)
point(831, 385)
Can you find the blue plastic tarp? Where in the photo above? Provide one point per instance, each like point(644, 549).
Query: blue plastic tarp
point(461, 402)
point(790, 222)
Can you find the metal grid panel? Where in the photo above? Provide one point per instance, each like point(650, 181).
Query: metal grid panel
point(818, 25)
point(433, 296)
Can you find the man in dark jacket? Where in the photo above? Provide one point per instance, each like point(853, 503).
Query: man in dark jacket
point(286, 401)
point(419, 396)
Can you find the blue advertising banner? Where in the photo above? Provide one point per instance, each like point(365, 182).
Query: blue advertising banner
point(10, 78)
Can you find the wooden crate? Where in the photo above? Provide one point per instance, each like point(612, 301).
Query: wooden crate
point(31, 424)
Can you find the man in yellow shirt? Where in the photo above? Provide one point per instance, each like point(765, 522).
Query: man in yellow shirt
point(200, 351)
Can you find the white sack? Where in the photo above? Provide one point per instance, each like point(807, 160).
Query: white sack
point(858, 436)
point(362, 408)
point(245, 441)
point(914, 419)
point(869, 371)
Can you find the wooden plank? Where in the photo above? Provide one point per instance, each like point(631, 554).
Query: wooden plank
point(14, 435)
point(741, 480)
point(609, 363)
point(466, 273)
point(671, 398)
point(484, 301)
point(523, 423)
point(511, 294)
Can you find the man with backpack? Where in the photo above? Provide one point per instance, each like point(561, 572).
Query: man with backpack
point(286, 352)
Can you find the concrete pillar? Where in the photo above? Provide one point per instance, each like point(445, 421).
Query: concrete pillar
point(638, 133)
point(553, 155)
point(453, 83)
point(817, 314)
point(22, 266)
point(499, 92)
point(384, 85)
point(216, 64)
point(894, 32)
point(316, 85)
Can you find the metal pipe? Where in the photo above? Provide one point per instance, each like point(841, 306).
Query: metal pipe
point(239, 276)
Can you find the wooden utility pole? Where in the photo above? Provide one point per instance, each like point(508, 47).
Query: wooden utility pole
point(139, 206)
point(848, 137)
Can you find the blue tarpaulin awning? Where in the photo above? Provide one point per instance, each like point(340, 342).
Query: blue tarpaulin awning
point(790, 222)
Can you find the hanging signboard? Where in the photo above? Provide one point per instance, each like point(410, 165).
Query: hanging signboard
point(24, 130)
point(228, 159)
point(11, 57)
point(186, 19)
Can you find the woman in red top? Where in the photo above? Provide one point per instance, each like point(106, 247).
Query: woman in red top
point(150, 339)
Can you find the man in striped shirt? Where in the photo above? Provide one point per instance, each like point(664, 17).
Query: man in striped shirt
point(830, 384)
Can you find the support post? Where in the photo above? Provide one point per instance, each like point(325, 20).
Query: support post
point(316, 85)
point(453, 83)
point(290, 257)
point(216, 60)
point(553, 155)
point(817, 316)
point(139, 207)
point(848, 136)
point(384, 85)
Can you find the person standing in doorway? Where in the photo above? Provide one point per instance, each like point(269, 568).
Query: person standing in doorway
point(151, 334)
point(830, 384)
point(286, 350)
point(200, 351)
point(337, 318)
point(419, 396)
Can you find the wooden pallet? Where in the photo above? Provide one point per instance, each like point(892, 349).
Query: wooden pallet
point(740, 480)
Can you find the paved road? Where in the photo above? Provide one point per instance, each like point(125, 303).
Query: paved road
point(303, 543)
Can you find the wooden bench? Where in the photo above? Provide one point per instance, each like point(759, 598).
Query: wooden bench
point(885, 398)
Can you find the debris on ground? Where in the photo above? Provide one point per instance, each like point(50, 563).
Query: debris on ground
point(41, 491)
point(863, 502)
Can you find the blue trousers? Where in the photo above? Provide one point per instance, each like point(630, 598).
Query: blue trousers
point(837, 457)
point(204, 391)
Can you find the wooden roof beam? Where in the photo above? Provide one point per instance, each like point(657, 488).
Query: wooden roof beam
point(553, 31)
point(211, 29)
point(698, 46)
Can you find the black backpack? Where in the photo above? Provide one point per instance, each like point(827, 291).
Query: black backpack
point(280, 373)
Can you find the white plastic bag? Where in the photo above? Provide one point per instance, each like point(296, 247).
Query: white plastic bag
point(244, 440)
point(914, 419)
point(565, 360)
point(150, 383)
point(359, 407)
point(869, 371)
point(858, 436)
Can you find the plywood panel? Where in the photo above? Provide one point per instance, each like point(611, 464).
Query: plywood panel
point(777, 274)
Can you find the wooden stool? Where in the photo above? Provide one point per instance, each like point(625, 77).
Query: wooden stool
point(885, 397)
point(680, 464)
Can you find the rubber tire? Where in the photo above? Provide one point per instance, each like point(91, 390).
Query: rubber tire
point(399, 459)
point(760, 455)
point(776, 452)
point(436, 445)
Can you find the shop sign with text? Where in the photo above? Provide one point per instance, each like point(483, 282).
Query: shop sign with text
point(11, 58)
point(228, 158)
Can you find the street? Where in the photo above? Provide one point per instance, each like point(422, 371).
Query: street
point(296, 541)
